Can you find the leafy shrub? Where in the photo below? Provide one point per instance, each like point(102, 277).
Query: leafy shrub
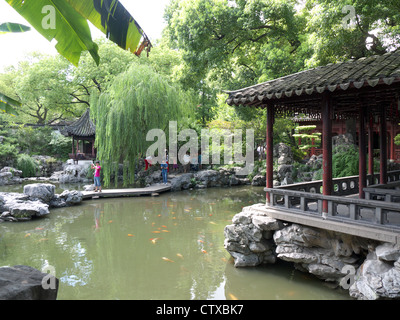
point(60, 145)
point(27, 165)
point(345, 163)
point(34, 141)
point(8, 152)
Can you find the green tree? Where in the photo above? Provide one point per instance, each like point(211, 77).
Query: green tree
point(138, 100)
point(339, 35)
point(43, 88)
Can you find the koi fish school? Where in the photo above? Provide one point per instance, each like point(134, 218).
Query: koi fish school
point(205, 309)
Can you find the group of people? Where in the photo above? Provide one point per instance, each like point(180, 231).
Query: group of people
point(189, 164)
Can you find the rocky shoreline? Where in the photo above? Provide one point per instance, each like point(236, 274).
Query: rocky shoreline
point(368, 269)
point(35, 201)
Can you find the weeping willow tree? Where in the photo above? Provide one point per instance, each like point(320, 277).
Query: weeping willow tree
point(137, 101)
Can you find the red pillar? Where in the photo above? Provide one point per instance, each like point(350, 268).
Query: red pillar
point(362, 150)
point(327, 185)
point(383, 147)
point(270, 150)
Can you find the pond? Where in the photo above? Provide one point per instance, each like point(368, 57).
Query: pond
point(166, 247)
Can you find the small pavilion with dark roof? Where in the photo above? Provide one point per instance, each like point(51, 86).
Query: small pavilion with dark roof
point(83, 130)
point(368, 90)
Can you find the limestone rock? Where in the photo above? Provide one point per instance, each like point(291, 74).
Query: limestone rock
point(388, 252)
point(40, 191)
point(9, 176)
point(182, 182)
point(21, 208)
point(266, 223)
point(24, 283)
point(66, 198)
point(319, 252)
point(249, 238)
point(376, 279)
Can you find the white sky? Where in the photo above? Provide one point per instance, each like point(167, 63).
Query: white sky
point(13, 47)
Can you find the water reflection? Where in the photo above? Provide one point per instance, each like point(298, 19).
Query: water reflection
point(167, 247)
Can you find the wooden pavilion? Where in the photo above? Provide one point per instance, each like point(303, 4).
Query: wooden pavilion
point(83, 130)
point(363, 89)
point(341, 126)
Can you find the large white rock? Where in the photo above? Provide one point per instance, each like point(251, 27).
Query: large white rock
point(40, 191)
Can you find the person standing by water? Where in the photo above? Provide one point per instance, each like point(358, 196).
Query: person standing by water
point(97, 169)
point(164, 171)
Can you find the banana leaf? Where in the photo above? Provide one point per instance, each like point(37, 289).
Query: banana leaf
point(7, 104)
point(111, 17)
point(71, 30)
point(13, 27)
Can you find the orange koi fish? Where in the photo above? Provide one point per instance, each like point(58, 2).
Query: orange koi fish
point(204, 251)
point(163, 226)
point(156, 231)
point(232, 296)
point(164, 230)
point(130, 235)
point(110, 221)
point(211, 222)
point(179, 255)
point(38, 228)
point(154, 240)
point(201, 241)
point(27, 235)
point(166, 259)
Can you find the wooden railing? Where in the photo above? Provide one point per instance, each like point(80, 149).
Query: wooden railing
point(344, 209)
point(306, 198)
point(387, 192)
point(341, 186)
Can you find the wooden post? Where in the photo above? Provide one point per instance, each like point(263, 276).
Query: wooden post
point(327, 149)
point(383, 147)
point(362, 163)
point(270, 151)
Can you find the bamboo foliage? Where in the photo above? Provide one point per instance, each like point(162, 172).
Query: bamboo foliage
point(138, 100)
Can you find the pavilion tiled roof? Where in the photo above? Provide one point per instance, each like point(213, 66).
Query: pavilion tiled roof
point(83, 127)
point(364, 72)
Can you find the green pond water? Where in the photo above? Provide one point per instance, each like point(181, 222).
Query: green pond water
point(166, 247)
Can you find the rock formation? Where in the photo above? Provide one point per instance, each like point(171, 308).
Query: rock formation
point(368, 269)
point(26, 283)
point(34, 202)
